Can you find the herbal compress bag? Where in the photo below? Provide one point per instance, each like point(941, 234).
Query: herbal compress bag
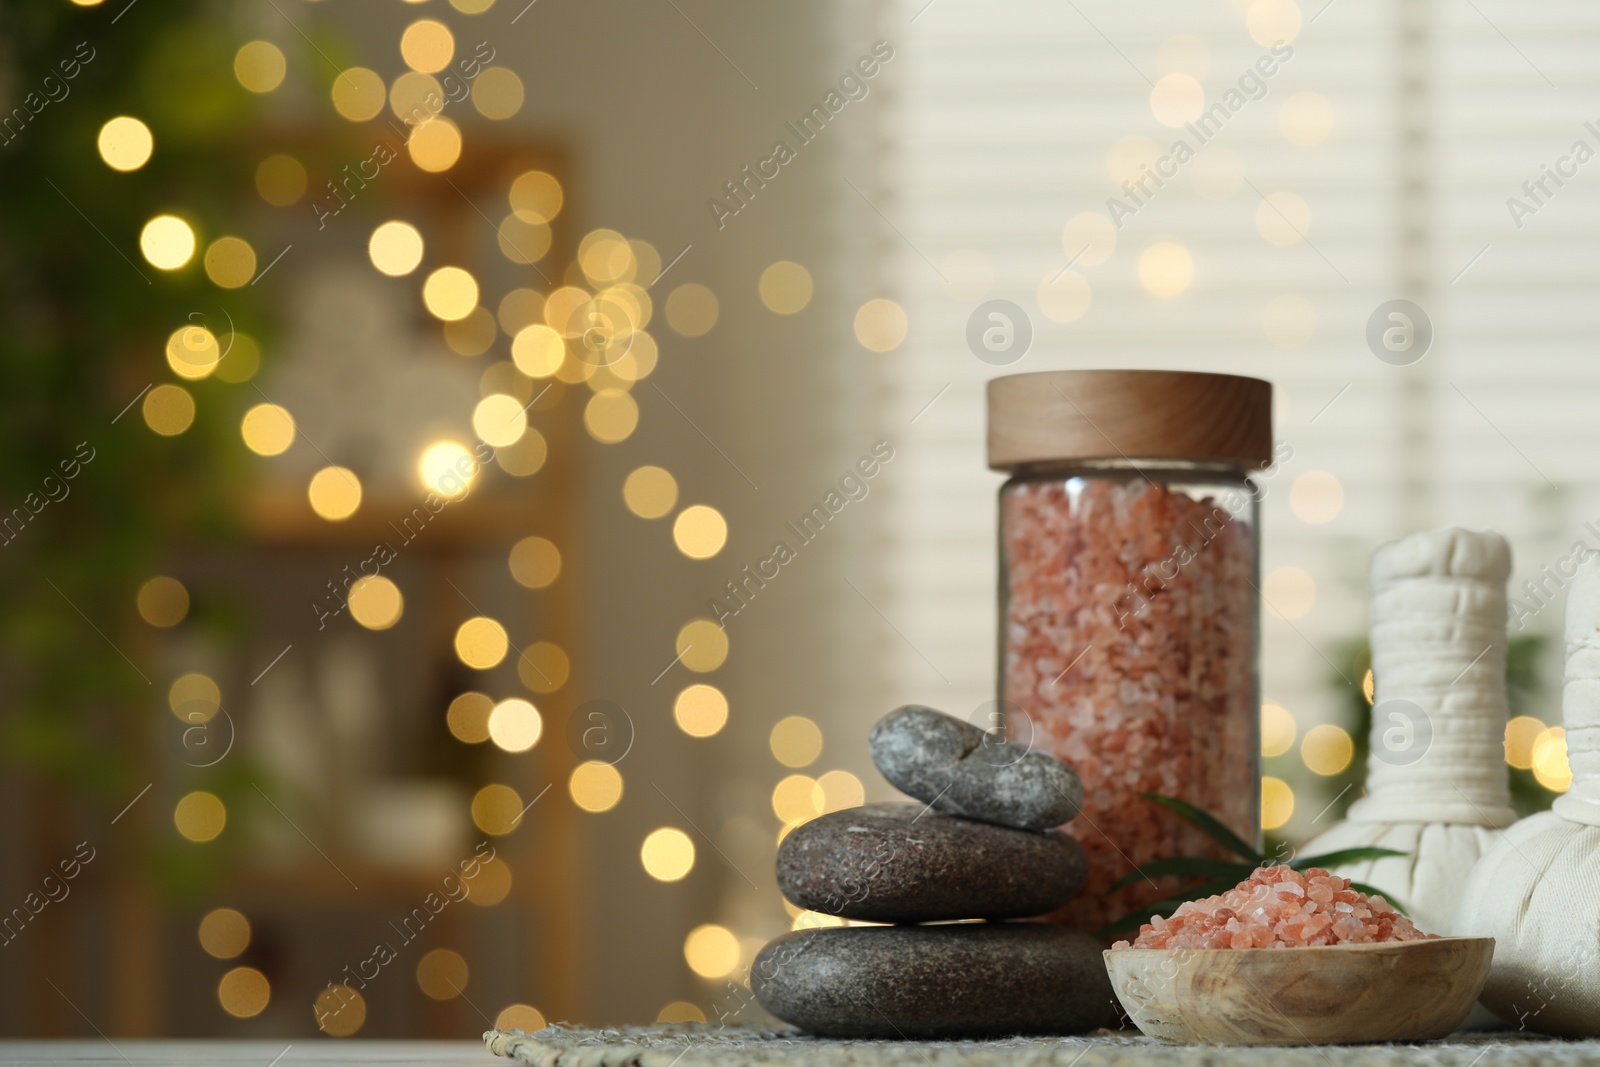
point(1537, 892)
point(1436, 772)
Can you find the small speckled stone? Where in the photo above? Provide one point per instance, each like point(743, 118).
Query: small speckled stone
point(904, 863)
point(959, 769)
point(960, 980)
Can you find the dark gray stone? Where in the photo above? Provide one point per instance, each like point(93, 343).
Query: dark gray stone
point(904, 863)
point(918, 982)
point(961, 770)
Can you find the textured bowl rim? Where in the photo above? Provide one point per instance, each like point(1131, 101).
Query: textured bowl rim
point(1365, 946)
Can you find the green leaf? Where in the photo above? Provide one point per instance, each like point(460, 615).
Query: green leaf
point(1209, 824)
point(1164, 908)
point(1362, 887)
point(1185, 865)
point(1342, 856)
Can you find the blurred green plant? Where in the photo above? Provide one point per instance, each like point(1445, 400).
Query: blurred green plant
point(1220, 875)
point(87, 320)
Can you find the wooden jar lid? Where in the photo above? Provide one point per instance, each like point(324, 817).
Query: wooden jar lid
point(1129, 414)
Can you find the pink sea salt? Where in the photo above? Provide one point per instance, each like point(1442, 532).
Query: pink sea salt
point(1130, 619)
point(1279, 907)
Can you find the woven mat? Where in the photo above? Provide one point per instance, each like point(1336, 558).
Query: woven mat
point(708, 1045)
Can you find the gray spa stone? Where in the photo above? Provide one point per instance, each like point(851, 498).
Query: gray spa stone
point(904, 863)
point(959, 980)
point(945, 762)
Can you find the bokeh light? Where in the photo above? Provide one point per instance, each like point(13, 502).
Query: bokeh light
point(711, 951)
point(163, 601)
point(1088, 239)
point(481, 642)
point(491, 885)
point(230, 262)
point(543, 667)
point(535, 562)
point(468, 717)
point(125, 143)
point(281, 180)
point(224, 933)
point(241, 359)
point(195, 697)
point(497, 93)
point(680, 1011)
point(1283, 218)
point(667, 854)
point(167, 242)
point(702, 645)
point(427, 46)
point(700, 710)
point(538, 350)
point(259, 66)
point(375, 602)
point(447, 468)
point(785, 287)
point(358, 94)
point(700, 531)
point(193, 352)
point(168, 410)
point(435, 145)
point(335, 493)
point(1177, 99)
point(442, 974)
point(1289, 592)
point(595, 786)
point(798, 798)
point(795, 741)
point(268, 429)
point(1273, 22)
point(472, 335)
point(1316, 497)
point(200, 816)
point(244, 992)
point(841, 790)
point(339, 1010)
point(515, 725)
point(450, 293)
point(1306, 118)
point(880, 325)
point(1064, 296)
point(691, 310)
point(1521, 733)
point(611, 416)
point(650, 492)
point(1165, 269)
point(496, 809)
point(396, 249)
point(1550, 766)
point(524, 1017)
point(1326, 749)
point(499, 420)
point(1277, 730)
point(1277, 802)
point(536, 196)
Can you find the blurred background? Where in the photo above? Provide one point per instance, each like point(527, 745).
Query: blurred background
point(400, 399)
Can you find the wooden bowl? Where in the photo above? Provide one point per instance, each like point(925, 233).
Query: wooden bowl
point(1321, 995)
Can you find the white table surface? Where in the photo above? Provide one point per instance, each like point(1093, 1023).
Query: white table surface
point(309, 1052)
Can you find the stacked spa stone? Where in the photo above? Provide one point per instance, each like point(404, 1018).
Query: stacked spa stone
point(979, 845)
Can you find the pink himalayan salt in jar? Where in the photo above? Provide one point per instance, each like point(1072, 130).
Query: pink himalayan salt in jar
point(1129, 632)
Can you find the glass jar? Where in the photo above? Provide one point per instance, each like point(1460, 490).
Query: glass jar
point(1129, 605)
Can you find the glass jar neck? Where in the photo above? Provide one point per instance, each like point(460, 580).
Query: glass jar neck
point(1164, 465)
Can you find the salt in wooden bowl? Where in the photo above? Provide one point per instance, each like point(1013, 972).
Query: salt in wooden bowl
point(1316, 995)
